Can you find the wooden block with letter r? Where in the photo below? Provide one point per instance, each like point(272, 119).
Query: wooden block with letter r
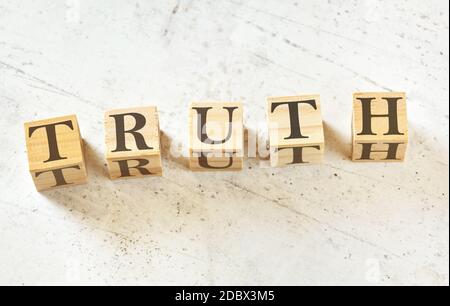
point(380, 127)
point(132, 138)
point(295, 130)
point(216, 136)
point(55, 152)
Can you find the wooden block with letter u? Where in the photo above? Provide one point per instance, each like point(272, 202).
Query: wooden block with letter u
point(295, 130)
point(55, 152)
point(380, 127)
point(132, 138)
point(216, 136)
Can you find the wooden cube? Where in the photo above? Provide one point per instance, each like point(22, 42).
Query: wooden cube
point(55, 152)
point(380, 127)
point(216, 136)
point(132, 138)
point(295, 130)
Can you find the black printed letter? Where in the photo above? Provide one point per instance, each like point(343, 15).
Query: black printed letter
point(120, 132)
point(51, 138)
point(294, 116)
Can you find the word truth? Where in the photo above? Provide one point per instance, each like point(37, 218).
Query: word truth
point(216, 137)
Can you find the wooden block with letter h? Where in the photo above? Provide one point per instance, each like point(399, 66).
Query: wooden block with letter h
point(55, 152)
point(295, 130)
point(380, 127)
point(132, 138)
point(216, 136)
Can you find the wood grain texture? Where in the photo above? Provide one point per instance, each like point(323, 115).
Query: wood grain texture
point(225, 162)
point(379, 126)
point(150, 133)
point(334, 223)
point(223, 129)
point(68, 145)
point(309, 119)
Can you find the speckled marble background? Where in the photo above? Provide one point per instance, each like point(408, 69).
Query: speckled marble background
point(335, 223)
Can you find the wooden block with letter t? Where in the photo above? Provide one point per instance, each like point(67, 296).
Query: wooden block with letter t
point(132, 138)
point(295, 130)
point(55, 152)
point(380, 127)
point(216, 136)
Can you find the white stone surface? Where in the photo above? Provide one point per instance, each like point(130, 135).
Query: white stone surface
point(335, 223)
